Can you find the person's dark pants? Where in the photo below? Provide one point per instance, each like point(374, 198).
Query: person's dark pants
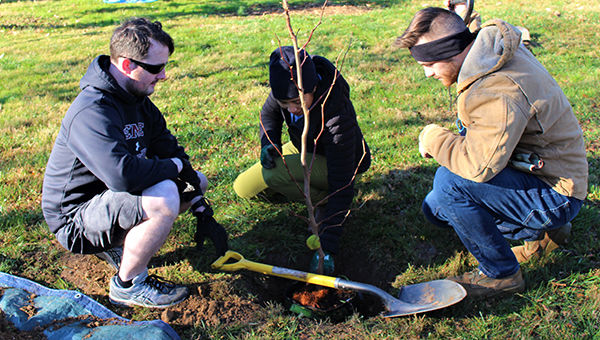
point(512, 205)
point(101, 223)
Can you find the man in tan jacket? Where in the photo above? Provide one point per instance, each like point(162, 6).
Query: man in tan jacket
point(517, 167)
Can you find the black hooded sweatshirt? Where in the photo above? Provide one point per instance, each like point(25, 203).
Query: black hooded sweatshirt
point(108, 140)
point(341, 143)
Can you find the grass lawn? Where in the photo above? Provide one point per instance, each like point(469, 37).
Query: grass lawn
point(216, 85)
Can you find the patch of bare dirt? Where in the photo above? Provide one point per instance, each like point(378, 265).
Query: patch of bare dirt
point(311, 8)
point(88, 273)
point(216, 303)
point(241, 300)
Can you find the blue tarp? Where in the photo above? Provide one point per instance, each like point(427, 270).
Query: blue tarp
point(68, 314)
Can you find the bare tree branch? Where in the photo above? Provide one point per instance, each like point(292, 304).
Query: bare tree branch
point(280, 152)
point(307, 167)
point(316, 26)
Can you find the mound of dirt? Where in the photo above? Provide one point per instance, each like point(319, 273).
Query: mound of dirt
point(215, 303)
point(238, 300)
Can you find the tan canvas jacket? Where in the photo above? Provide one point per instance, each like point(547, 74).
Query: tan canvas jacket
point(510, 104)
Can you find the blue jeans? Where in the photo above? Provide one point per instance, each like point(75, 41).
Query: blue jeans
point(513, 205)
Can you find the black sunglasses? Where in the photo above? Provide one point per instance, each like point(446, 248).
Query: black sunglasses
point(154, 69)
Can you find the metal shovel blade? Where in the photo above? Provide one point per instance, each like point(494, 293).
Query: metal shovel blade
point(426, 296)
point(413, 299)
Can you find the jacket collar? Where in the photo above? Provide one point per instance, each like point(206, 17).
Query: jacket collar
point(494, 46)
point(98, 76)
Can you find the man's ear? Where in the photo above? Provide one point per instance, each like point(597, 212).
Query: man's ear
point(126, 66)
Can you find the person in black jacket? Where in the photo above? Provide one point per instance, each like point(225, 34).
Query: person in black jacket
point(116, 176)
point(340, 152)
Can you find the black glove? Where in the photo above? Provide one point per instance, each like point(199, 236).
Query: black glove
point(268, 154)
point(189, 175)
point(207, 226)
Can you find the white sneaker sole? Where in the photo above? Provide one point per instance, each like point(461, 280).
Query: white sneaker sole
point(129, 303)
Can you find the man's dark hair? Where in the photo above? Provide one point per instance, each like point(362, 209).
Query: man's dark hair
point(132, 39)
point(433, 22)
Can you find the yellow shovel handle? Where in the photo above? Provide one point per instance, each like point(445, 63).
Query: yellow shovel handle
point(230, 267)
point(220, 263)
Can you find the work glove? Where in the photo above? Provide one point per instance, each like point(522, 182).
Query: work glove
point(422, 150)
point(207, 226)
point(189, 175)
point(186, 192)
point(268, 155)
point(328, 263)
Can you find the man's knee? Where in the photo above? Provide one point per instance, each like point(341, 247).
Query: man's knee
point(429, 206)
point(203, 182)
point(238, 187)
point(161, 199)
point(444, 178)
point(439, 203)
point(448, 186)
point(434, 211)
point(250, 182)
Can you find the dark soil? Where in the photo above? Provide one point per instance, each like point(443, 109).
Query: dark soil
point(216, 303)
point(320, 297)
point(231, 302)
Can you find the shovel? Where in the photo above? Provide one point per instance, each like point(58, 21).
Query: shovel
point(413, 299)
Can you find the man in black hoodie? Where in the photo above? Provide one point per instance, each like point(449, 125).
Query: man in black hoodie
point(115, 178)
point(340, 152)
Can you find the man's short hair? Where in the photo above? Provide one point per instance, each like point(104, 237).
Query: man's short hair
point(432, 22)
point(132, 39)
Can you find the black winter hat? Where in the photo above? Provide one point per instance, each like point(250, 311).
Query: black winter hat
point(282, 84)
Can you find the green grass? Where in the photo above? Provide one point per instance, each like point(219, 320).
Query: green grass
point(217, 83)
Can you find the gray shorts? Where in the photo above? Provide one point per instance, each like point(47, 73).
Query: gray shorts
point(101, 223)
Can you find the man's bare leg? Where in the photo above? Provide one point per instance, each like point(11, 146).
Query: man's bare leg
point(160, 204)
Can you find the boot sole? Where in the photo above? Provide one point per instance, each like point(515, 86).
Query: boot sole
point(480, 292)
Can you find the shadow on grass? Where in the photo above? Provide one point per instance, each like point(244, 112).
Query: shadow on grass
point(381, 239)
point(542, 279)
point(545, 276)
point(19, 218)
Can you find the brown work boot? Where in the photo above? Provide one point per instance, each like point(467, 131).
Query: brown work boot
point(479, 285)
point(536, 249)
